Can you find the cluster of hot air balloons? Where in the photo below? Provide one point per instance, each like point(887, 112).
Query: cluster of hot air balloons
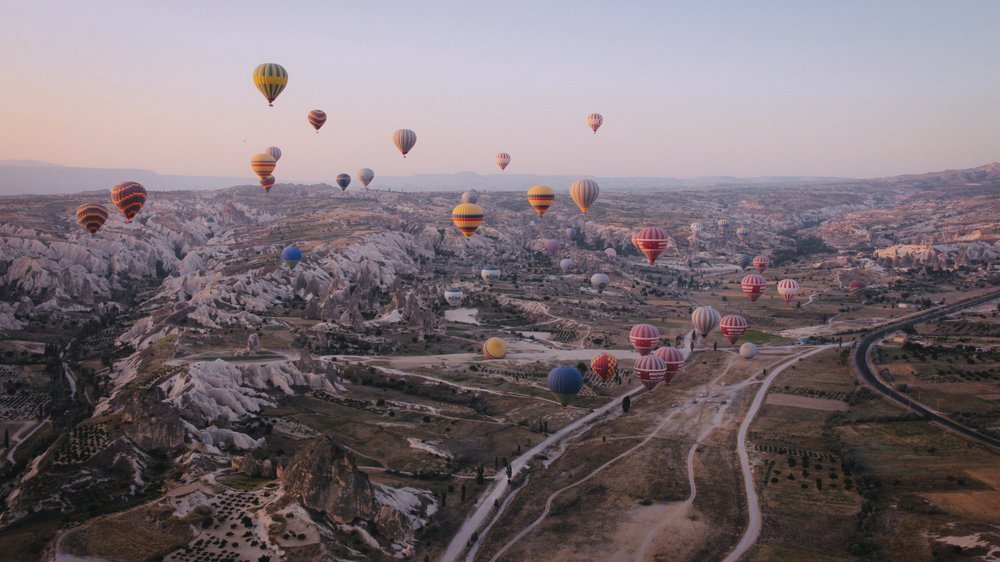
point(128, 197)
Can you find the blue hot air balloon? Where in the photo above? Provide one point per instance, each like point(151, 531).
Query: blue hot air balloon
point(744, 260)
point(565, 382)
point(291, 255)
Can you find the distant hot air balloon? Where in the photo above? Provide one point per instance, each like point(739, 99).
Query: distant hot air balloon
point(644, 338)
point(748, 350)
point(291, 256)
point(471, 196)
point(723, 227)
point(262, 164)
point(594, 121)
point(651, 241)
point(494, 348)
point(453, 296)
point(856, 287)
point(552, 245)
point(270, 79)
point(705, 319)
point(696, 228)
point(570, 233)
point(467, 217)
point(743, 233)
point(635, 240)
point(541, 197)
point(744, 260)
point(316, 118)
point(584, 192)
point(274, 151)
point(267, 183)
point(566, 265)
point(366, 175)
point(611, 253)
point(92, 217)
point(490, 274)
point(650, 369)
point(733, 327)
point(600, 281)
point(673, 359)
point(129, 197)
point(753, 285)
point(343, 180)
point(503, 159)
point(404, 139)
point(605, 366)
point(788, 289)
point(761, 263)
point(565, 382)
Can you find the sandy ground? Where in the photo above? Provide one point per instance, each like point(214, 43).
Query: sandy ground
point(982, 505)
point(807, 402)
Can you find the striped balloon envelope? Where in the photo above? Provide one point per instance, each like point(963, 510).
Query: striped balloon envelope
point(584, 193)
point(651, 370)
point(262, 164)
point(92, 216)
point(129, 197)
point(651, 241)
point(761, 263)
point(743, 233)
point(343, 180)
point(274, 151)
point(565, 382)
point(673, 359)
point(594, 121)
point(494, 348)
point(541, 197)
point(788, 289)
point(723, 225)
point(316, 118)
point(471, 196)
point(605, 366)
point(270, 79)
point(704, 319)
point(467, 217)
point(267, 183)
point(366, 175)
point(744, 261)
point(753, 286)
point(856, 287)
point(503, 159)
point(733, 327)
point(404, 139)
point(644, 338)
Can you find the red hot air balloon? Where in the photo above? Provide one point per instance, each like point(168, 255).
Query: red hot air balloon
point(129, 197)
point(761, 263)
point(733, 327)
point(552, 245)
point(651, 241)
point(753, 285)
point(788, 289)
point(856, 287)
point(594, 121)
point(605, 366)
point(267, 183)
point(503, 159)
point(651, 370)
point(316, 118)
point(644, 338)
point(673, 359)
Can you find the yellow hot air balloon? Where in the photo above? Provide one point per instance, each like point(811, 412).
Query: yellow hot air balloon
point(262, 164)
point(541, 197)
point(270, 79)
point(467, 217)
point(494, 348)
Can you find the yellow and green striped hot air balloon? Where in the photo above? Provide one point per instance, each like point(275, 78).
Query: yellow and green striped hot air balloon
point(270, 79)
point(467, 217)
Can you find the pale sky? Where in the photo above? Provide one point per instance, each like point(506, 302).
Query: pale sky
point(846, 88)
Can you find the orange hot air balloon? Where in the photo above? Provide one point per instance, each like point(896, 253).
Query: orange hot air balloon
point(262, 164)
point(129, 197)
point(92, 217)
point(467, 217)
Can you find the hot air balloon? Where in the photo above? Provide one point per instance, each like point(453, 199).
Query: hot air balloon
point(565, 382)
point(644, 338)
point(605, 366)
point(733, 326)
point(748, 350)
point(650, 369)
point(856, 287)
point(262, 164)
point(453, 296)
point(744, 261)
point(490, 274)
point(761, 263)
point(570, 233)
point(594, 121)
point(541, 197)
point(788, 289)
point(600, 282)
point(343, 180)
point(611, 253)
point(566, 265)
point(673, 359)
point(270, 79)
point(494, 348)
point(651, 241)
point(705, 319)
point(753, 285)
point(471, 196)
point(552, 245)
point(723, 227)
point(274, 151)
point(316, 118)
point(743, 233)
point(635, 240)
point(502, 160)
point(366, 175)
point(696, 228)
point(267, 183)
point(291, 256)
point(467, 217)
point(584, 192)
point(404, 139)
point(92, 217)
point(129, 197)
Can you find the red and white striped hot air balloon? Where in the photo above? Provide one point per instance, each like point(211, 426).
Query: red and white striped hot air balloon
point(856, 287)
point(753, 285)
point(788, 289)
point(502, 160)
point(594, 121)
point(673, 359)
point(404, 139)
point(650, 369)
point(651, 241)
point(760, 263)
point(705, 319)
point(733, 327)
point(644, 338)
point(584, 193)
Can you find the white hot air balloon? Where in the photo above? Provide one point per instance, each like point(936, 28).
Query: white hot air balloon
point(471, 197)
point(490, 274)
point(404, 139)
point(453, 296)
point(600, 281)
point(748, 350)
point(366, 175)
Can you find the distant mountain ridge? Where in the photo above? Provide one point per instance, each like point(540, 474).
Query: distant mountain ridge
point(21, 177)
